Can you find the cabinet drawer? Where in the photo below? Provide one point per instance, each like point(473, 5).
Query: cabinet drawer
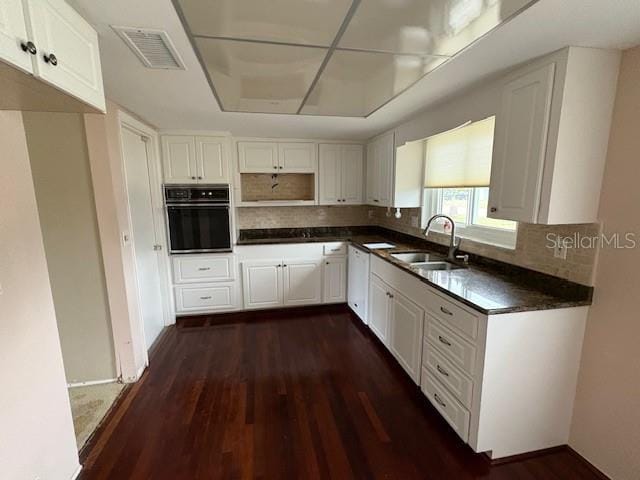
point(337, 248)
point(452, 315)
point(203, 268)
point(453, 347)
point(456, 382)
point(453, 412)
point(206, 298)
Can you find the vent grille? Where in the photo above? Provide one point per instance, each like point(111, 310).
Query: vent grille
point(154, 48)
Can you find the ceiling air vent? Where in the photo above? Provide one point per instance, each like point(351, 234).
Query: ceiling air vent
point(154, 48)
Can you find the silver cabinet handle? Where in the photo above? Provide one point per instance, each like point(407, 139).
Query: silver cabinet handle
point(206, 298)
point(445, 311)
point(442, 371)
point(440, 402)
point(444, 340)
point(204, 269)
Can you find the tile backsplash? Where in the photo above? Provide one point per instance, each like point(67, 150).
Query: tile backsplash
point(532, 247)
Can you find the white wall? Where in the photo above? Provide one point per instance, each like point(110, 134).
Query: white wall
point(606, 420)
point(62, 179)
point(36, 431)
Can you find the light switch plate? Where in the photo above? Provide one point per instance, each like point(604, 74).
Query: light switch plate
point(560, 249)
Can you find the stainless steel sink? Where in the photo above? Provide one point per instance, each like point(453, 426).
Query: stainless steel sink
point(441, 265)
point(416, 257)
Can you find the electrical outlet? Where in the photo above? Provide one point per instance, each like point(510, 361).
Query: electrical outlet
point(415, 221)
point(370, 213)
point(560, 249)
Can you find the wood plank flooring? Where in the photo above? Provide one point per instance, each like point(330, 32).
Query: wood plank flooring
point(306, 394)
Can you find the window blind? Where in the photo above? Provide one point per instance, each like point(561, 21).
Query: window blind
point(461, 157)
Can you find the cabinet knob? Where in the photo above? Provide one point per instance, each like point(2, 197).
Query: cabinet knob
point(29, 47)
point(51, 58)
point(199, 178)
point(281, 167)
point(193, 178)
point(493, 209)
point(275, 168)
point(376, 200)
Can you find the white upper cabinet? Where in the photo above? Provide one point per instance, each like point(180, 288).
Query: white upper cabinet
point(68, 56)
point(275, 157)
point(47, 38)
point(341, 174)
point(394, 175)
point(187, 159)
point(297, 157)
point(211, 160)
point(258, 157)
point(16, 47)
point(551, 136)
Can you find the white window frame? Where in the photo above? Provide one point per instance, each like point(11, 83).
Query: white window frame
point(432, 205)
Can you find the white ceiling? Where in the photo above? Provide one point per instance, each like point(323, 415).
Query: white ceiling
point(174, 99)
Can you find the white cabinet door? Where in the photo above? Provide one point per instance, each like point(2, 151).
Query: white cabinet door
point(335, 280)
point(358, 282)
point(13, 34)
point(405, 333)
point(179, 159)
point(385, 154)
point(351, 178)
point(297, 157)
point(262, 284)
point(379, 308)
point(519, 148)
point(258, 157)
point(211, 159)
point(330, 173)
point(302, 282)
point(68, 55)
point(372, 174)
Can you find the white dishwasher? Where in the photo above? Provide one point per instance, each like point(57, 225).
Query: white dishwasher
point(358, 282)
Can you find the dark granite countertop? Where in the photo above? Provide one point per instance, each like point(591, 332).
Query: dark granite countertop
point(486, 285)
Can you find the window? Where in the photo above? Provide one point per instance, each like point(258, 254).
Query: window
point(458, 165)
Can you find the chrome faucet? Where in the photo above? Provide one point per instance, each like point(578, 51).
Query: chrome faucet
point(455, 241)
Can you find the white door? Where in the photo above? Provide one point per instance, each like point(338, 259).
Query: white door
point(258, 157)
point(262, 283)
point(13, 35)
point(179, 159)
point(519, 150)
point(351, 178)
point(372, 174)
point(335, 280)
point(405, 333)
point(135, 154)
point(386, 169)
point(302, 282)
point(358, 282)
point(211, 159)
point(68, 55)
point(297, 157)
point(379, 308)
point(330, 169)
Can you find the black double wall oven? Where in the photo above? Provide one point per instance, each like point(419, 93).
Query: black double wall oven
point(198, 218)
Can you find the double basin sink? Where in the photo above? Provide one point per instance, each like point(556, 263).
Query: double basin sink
point(425, 261)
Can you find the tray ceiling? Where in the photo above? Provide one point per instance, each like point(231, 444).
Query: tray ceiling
point(329, 57)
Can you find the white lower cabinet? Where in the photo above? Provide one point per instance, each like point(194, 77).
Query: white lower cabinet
point(405, 333)
point(505, 383)
point(210, 298)
point(205, 283)
point(335, 279)
point(262, 283)
point(302, 282)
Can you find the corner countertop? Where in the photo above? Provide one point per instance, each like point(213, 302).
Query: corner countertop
point(487, 286)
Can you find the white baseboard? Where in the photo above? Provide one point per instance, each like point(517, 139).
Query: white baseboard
point(76, 473)
point(92, 382)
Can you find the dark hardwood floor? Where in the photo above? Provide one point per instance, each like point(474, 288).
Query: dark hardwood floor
point(307, 394)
